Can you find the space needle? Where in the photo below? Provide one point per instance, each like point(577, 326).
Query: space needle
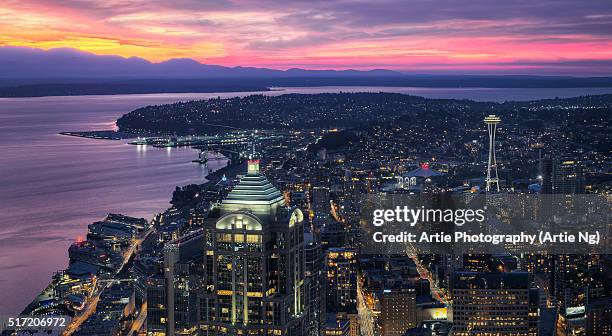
point(492, 120)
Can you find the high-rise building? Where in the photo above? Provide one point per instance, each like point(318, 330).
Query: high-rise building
point(156, 306)
point(334, 234)
point(341, 280)
point(599, 317)
point(253, 262)
point(320, 204)
point(494, 304)
point(571, 273)
point(398, 310)
point(562, 176)
point(314, 259)
point(546, 174)
point(568, 177)
point(183, 275)
point(571, 280)
point(573, 288)
point(173, 295)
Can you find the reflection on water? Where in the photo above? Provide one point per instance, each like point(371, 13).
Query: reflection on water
point(52, 186)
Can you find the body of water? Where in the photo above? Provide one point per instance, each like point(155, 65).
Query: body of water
point(52, 186)
point(478, 94)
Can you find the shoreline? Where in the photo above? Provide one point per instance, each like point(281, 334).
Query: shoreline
point(360, 87)
point(230, 171)
point(101, 94)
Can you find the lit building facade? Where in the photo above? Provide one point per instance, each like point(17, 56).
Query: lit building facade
point(398, 310)
point(494, 304)
point(320, 204)
point(253, 262)
point(341, 280)
point(315, 290)
point(562, 176)
point(183, 273)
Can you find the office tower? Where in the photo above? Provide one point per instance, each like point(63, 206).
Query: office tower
point(572, 289)
point(397, 310)
point(183, 274)
point(322, 154)
point(314, 259)
point(572, 279)
point(492, 178)
point(571, 273)
point(494, 304)
point(546, 173)
point(172, 294)
point(334, 234)
point(341, 280)
point(568, 177)
point(599, 317)
point(156, 306)
point(562, 176)
point(253, 262)
point(320, 204)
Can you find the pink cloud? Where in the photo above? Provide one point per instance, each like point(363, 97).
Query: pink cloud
point(422, 36)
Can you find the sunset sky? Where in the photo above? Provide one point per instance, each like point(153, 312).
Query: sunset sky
point(454, 36)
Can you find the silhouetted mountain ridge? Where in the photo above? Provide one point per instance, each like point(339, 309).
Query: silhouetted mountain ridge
point(25, 62)
point(31, 72)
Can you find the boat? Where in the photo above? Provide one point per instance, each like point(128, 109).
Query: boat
point(202, 157)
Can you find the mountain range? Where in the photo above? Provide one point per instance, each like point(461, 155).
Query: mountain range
point(25, 62)
point(31, 72)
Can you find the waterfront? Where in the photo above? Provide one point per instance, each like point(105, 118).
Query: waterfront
point(473, 93)
point(53, 185)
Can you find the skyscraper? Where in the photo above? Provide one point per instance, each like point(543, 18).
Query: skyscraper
point(571, 273)
point(183, 278)
point(315, 293)
point(398, 309)
point(253, 262)
point(341, 280)
point(562, 176)
point(494, 304)
point(320, 204)
point(546, 173)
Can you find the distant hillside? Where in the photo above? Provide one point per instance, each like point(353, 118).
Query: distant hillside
point(22, 62)
point(347, 110)
point(30, 72)
point(140, 86)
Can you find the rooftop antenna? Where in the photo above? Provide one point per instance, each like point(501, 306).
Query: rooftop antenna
point(253, 162)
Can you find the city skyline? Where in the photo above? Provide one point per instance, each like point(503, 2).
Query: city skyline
point(518, 37)
point(237, 252)
point(306, 168)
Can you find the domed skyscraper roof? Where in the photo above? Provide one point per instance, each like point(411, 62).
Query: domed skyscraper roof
point(254, 194)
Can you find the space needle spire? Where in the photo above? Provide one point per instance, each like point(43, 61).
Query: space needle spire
point(492, 178)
